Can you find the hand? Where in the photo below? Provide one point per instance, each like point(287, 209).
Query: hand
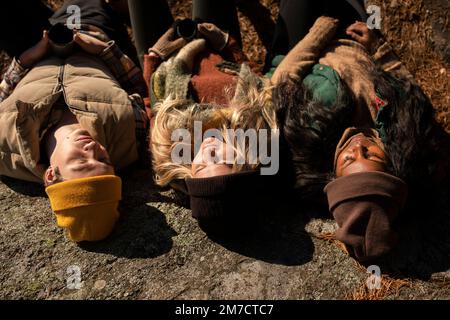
point(166, 45)
point(216, 37)
point(89, 44)
point(35, 53)
point(361, 33)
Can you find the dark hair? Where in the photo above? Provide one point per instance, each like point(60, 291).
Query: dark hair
point(416, 145)
point(311, 131)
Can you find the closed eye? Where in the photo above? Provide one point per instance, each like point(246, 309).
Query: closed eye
point(348, 158)
point(105, 161)
point(374, 156)
point(81, 160)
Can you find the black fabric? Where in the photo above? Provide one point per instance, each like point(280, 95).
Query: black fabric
point(296, 17)
point(345, 11)
point(22, 25)
point(99, 14)
point(150, 20)
point(222, 13)
point(231, 203)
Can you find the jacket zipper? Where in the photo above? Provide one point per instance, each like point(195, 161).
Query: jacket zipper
point(60, 86)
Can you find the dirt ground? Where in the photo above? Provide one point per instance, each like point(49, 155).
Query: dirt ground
point(157, 250)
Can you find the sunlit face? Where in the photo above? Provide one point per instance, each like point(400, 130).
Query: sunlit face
point(78, 155)
point(210, 161)
point(361, 154)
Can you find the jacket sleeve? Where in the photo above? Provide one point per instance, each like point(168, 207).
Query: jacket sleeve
point(11, 78)
point(142, 126)
point(306, 53)
point(151, 63)
point(126, 72)
point(388, 60)
point(233, 52)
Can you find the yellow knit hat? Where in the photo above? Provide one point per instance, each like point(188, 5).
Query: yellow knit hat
point(86, 207)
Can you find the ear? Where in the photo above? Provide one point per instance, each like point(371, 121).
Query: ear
point(49, 176)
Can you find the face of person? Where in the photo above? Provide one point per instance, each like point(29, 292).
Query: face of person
point(78, 155)
point(361, 154)
point(210, 159)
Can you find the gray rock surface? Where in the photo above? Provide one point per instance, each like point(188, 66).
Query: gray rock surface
point(157, 251)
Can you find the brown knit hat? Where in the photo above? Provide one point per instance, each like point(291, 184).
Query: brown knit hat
point(365, 205)
point(234, 199)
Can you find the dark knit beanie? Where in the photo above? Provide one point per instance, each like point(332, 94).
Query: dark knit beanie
point(233, 199)
point(365, 205)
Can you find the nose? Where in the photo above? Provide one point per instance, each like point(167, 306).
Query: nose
point(91, 147)
point(209, 140)
point(359, 150)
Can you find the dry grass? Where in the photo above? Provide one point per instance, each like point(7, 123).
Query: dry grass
point(389, 287)
point(330, 238)
point(415, 28)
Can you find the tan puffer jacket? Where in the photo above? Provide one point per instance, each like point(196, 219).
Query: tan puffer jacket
point(92, 93)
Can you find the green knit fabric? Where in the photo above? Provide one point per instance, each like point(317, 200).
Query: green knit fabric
point(274, 64)
point(173, 76)
point(324, 84)
point(381, 122)
point(323, 81)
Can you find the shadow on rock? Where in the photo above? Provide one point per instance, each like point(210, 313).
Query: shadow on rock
point(278, 237)
point(424, 248)
point(26, 188)
point(142, 231)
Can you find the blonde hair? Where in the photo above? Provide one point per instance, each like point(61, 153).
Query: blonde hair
point(250, 111)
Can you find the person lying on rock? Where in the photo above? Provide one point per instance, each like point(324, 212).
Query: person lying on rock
point(360, 128)
point(197, 72)
point(71, 119)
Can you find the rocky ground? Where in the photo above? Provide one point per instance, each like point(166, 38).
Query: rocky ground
point(157, 250)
